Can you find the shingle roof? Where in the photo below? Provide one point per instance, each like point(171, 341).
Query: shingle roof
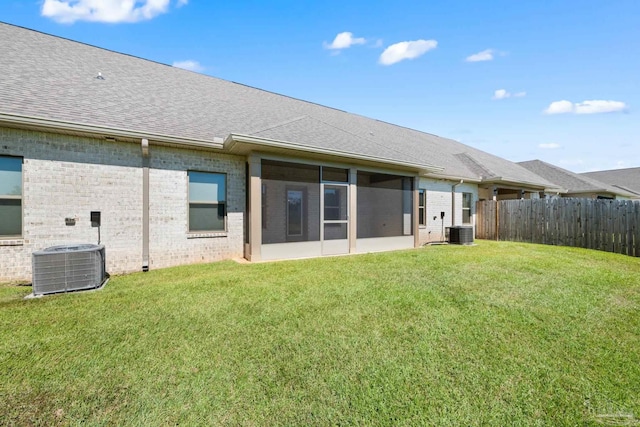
point(53, 78)
point(625, 179)
point(572, 182)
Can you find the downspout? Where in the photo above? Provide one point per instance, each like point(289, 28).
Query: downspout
point(144, 144)
point(453, 202)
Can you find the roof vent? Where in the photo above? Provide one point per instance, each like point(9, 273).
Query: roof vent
point(99, 76)
point(68, 268)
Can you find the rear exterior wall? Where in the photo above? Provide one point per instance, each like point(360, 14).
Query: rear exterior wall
point(439, 199)
point(67, 177)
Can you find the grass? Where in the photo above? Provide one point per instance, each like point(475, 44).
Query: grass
point(495, 334)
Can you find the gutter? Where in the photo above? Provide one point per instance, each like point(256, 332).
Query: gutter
point(52, 124)
point(539, 186)
point(234, 140)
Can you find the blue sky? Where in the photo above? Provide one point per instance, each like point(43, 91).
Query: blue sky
point(557, 81)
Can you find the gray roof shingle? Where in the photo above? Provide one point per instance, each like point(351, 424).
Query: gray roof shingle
point(53, 78)
point(572, 182)
point(625, 179)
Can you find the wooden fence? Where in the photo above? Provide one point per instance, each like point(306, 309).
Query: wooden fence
point(605, 225)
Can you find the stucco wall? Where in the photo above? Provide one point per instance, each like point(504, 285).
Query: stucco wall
point(69, 176)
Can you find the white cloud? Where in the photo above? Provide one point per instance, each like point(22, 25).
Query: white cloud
point(111, 11)
point(344, 41)
point(549, 146)
point(585, 107)
point(485, 55)
point(559, 107)
point(503, 94)
point(189, 64)
point(598, 106)
point(406, 50)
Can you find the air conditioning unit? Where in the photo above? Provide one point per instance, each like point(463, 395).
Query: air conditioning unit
point(68, 268)
point(461, 235)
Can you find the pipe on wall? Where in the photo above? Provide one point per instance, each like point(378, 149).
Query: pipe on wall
point(144, 145)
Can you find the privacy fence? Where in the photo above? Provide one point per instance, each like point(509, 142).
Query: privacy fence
point(605, 225)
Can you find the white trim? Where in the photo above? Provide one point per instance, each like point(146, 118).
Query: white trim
point(234, 139)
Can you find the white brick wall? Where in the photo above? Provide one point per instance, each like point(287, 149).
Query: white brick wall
point(438, 194)
point(170, 243)
point(68, 177)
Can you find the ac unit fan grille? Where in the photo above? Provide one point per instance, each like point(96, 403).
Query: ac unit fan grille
point(461, 235)
point(68, 268)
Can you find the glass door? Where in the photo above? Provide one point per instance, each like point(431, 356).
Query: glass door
point(335, 219)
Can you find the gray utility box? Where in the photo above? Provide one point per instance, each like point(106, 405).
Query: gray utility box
point(461, 235)
point(68, 268)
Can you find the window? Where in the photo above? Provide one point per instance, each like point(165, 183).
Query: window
point(466, 208)
point(10, 196)
point(422, 211)
point(207, 201)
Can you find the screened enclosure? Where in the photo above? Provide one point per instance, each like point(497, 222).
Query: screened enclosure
point(385, 205)
point(290, 202)
point(305, 210)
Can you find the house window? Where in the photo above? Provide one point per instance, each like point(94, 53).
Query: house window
point(10, 196)
point(422, 211)
point(466, 208)
point(207, 201)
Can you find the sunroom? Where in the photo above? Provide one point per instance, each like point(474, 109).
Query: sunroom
point(310, 203)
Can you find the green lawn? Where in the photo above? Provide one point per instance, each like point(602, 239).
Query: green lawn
point(494, 334)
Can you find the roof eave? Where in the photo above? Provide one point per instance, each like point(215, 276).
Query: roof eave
point(41, 123)
point(449, 177)
point(238, 142)
point(496, 180)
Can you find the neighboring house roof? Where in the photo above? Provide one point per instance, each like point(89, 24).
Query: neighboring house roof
point(573, 183)
point(56, 81)
point(626, 179)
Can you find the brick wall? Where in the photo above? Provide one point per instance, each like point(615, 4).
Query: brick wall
point(438, 195)
point(70, 176)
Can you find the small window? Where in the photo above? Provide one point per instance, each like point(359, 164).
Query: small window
point(422, 207)
point(466, 208)
point(10, 196)
point(207, 201)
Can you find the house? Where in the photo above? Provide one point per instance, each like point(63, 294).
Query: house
point(575, 185)
point(625, 179)
point(187, 168)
